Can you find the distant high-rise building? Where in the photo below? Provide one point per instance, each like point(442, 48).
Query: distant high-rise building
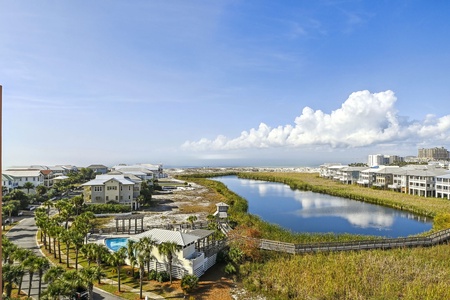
point(380, 159)
point(433, 153)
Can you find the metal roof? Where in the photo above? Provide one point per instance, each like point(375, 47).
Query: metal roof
point(164, 235)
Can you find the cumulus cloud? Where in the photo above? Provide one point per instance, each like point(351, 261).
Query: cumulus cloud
point(364, 119)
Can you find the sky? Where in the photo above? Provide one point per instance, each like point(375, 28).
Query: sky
point(222, 83)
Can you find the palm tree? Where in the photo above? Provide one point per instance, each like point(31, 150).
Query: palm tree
point(117, 259)
point(143, 248)
point(168, 249)
point(66, 238)
point(8, 250)
point(53, 274)
point(49, 204)
point(41, 190)
point(19, 256)
point(131, 254)
point(147, 243)
point(42, 265)
point(31, 264)
point(100, 251)
point(192, 219)
point(10, 276)
point(77, 241)
point(88, 253)
point(28, 185)
point(88, 276)
point(77, 203)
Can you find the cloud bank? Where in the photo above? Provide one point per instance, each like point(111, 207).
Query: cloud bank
point(364, 119)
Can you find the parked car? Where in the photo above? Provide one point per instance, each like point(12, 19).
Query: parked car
point(81, 293)
point(20, 213)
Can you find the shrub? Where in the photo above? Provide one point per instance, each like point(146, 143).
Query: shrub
point(152, 275)
point(189, 283)
point(163, 276)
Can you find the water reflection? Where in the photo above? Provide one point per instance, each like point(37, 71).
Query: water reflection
point(312, 212)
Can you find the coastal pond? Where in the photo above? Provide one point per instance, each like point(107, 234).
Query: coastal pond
point(304, 211)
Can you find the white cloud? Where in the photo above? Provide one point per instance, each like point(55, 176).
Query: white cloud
point(364, 119)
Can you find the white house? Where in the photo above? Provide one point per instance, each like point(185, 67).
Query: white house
point(443, 186)
point(423, 182)
point(21, 176)
point(189, 259)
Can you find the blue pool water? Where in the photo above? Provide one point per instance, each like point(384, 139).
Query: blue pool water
point(116, 243)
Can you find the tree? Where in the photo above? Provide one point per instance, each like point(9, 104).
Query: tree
point(53, 274)
point(131, 255)
point(48, 204)
point(41, 190)
point(143, 247)
point(42, 265)
point(88, 276)
point(11, 275)
point(19, 256)
point(117, 259)
point(192, 219)
point(66, 238)
point(77, 203)
point(31, 264)
point(28, 185)
point(168, 249)
point(189, 283)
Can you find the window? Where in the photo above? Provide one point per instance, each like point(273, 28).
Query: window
point(113, 188)
point(117, 198)
point(98, 188)
point(98, 198)
point(107, 198)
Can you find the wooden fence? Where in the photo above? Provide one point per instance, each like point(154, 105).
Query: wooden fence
point(430, 240)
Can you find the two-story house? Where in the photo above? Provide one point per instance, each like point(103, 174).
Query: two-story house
point(189, 258)
point(111, 188)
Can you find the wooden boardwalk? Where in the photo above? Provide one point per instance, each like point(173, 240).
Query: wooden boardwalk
point(426, 241)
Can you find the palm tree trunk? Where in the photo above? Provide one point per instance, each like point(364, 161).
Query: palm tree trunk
point(67, 255)
point(20, 285)
point(54, 247)
point(76, 258)
point(141, 279)
point(170, 270)
point(40, 284)
point(31, 283)
point(59, 251)
point(118, 277)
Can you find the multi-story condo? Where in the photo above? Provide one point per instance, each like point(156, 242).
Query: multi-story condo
point(433, 153)
point(443, 186)
point(350, 175)
point(381, 159)
point(111, 188)
point(384, 176)
point(423, 182)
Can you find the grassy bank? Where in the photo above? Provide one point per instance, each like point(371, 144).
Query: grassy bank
point(429, 207)
point(417, 273)
point(238, 215)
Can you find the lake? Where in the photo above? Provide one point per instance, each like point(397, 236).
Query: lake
point(302, 211)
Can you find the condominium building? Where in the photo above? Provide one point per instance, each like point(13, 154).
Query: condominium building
point(433, 153)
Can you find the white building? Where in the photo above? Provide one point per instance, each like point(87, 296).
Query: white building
point(443, 186)
point(189, 259)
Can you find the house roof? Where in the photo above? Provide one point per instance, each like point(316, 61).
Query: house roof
point(201, 233)
point(23, 173)
point(164, 235)
point(97, 167)
point(102, 179)
point(62, 177)
point(7, 177)
point(221, 204)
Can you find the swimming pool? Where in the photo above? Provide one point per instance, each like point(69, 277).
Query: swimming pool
point(116, 243)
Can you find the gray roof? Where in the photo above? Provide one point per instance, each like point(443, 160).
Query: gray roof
point(164, 235)
point(102, 179)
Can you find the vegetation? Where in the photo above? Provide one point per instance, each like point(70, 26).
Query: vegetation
point(419, 273)
point(429, 207)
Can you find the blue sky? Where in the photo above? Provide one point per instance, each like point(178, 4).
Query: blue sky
point(222, 83)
